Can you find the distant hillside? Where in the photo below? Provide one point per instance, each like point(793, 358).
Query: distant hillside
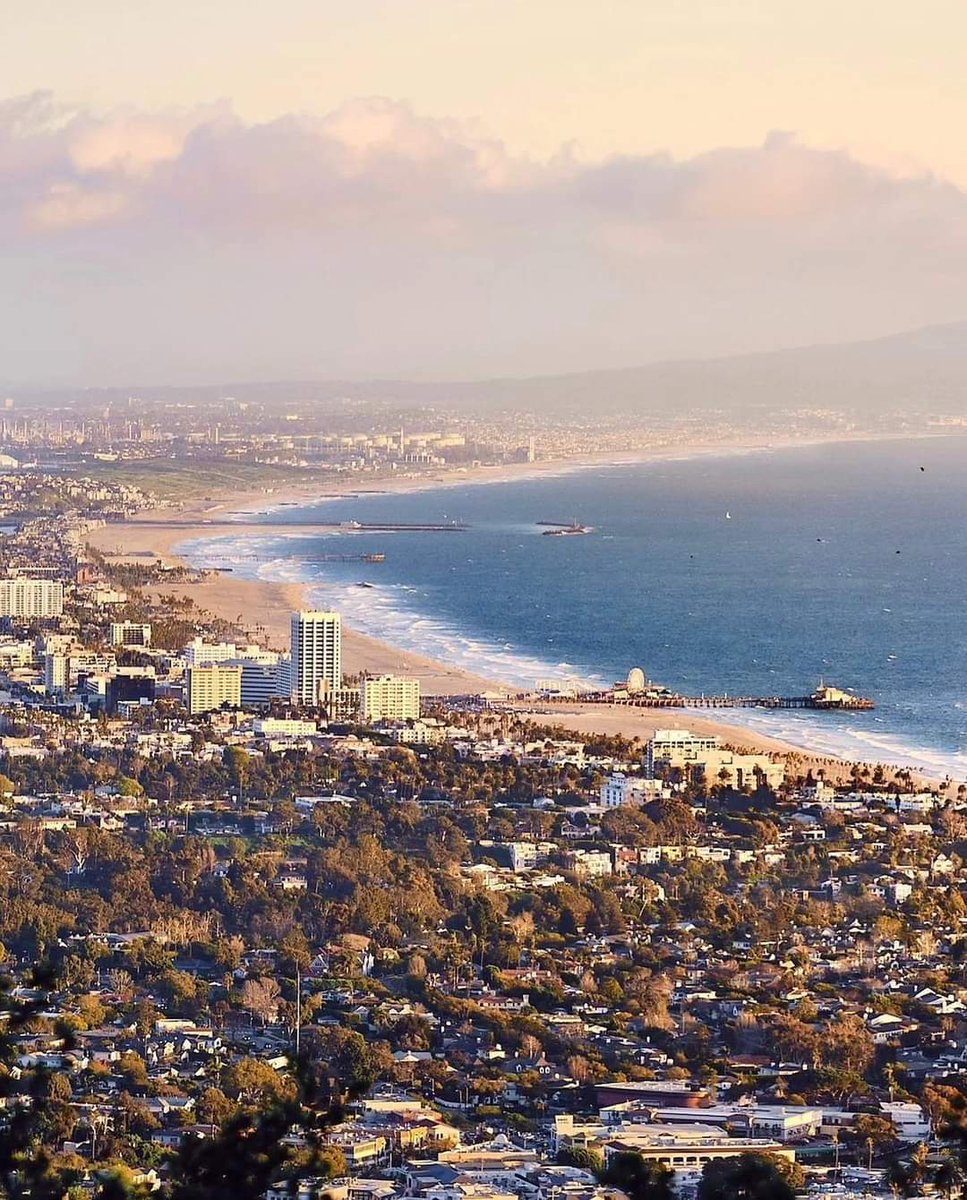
point(921, 371)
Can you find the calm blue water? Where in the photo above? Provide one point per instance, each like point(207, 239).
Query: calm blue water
point(847, 562)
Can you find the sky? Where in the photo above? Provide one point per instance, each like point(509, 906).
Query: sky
point(210, 191)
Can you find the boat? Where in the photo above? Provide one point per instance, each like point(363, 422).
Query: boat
point(572, 530)
point(363, 583)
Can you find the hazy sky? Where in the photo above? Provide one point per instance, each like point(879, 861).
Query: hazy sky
point(213, 190)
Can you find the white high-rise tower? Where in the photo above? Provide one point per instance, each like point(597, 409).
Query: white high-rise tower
point(316, 654)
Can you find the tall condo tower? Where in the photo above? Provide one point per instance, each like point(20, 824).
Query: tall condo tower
point(316, 654)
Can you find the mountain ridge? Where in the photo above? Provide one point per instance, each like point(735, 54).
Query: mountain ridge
point(923, 369)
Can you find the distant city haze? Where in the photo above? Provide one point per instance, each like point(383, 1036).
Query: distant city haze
point(465, 190)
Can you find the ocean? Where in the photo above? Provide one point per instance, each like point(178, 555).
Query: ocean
point(759, 572)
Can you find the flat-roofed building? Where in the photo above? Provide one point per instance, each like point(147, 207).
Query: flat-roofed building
point(214, 686)
point(283, 727)
point(265, 677)
point(685, 1147)
point(199, 653)
point(340, 704)
point(316, 654)
point(688, 1147)
point(622, 789)
point(130, 633)
point(389, 698)
point(689, 758)
point(56, 673)
point(27, 598)
point(675, 748)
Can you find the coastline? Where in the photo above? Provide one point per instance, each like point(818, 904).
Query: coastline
point(642, 723)
point(263, 607)
point(262, 501)
point(272, 603)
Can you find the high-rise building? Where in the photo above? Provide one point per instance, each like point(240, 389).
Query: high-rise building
point(316, 654)
point(20, 597)
point(389, 698)
point(56, 673)
point(212, 687)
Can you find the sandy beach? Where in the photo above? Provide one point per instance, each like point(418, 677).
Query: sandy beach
point(263, 609)
point(641, 723)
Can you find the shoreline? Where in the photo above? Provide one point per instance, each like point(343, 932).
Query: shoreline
point(271, 602)
point(262, 609)
point(269, 500)
point(263, 501)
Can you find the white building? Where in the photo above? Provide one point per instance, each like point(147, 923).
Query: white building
point(389, 698)
point(56, 674)
point(265, 673)
point(783, 1123)
point(918, 802)
point(682, 1148)
point(632, 789)
point(589, 863)
point(316, 654)
point(517, 856)
point(415, 733)
point(63, 668)
point(28, 598)
point(675, 747)
point(199, 653)
point(695, 759)
point(911, 1122)
point(16, 654)
point(283, 727)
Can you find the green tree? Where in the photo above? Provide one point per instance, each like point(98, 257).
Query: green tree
point(579, 1156)
point(750, 1177)
point(34, 1112)
point(639, 1180)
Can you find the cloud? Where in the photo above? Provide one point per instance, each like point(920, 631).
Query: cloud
point(375, 157)
point(457, 251)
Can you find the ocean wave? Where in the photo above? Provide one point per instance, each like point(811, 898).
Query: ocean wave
point(404, 615)
point(388, 613)
point(382, 611)
point(830, 736)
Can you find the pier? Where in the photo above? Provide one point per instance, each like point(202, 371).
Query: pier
point(823, 699)
point(852, 704)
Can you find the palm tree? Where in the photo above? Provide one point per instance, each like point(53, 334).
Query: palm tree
point(901, 1178)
